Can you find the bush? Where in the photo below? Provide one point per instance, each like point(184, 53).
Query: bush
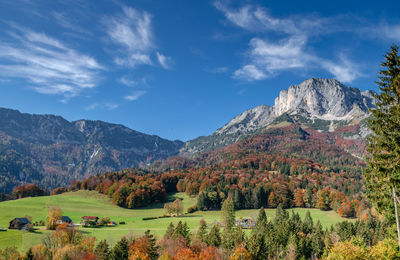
point(103, 221)
point(191, 209)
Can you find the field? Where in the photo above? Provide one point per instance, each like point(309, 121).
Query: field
point(90, 203)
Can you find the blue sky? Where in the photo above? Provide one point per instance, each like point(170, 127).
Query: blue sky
point(181, 69)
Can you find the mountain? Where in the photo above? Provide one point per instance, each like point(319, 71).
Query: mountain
point(52, 151)
point(325, 105)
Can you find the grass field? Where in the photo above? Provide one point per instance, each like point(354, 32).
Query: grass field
point(85, 203)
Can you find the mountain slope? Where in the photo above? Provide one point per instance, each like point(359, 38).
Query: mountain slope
point(52, 151)
point(321, 104)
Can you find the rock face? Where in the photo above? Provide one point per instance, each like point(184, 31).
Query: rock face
point(323, 104)
point(52, 151)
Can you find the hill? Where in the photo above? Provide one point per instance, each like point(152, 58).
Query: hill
point(51, 151)
point(82, 203)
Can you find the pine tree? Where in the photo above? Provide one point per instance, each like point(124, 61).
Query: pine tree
point(29, 255)
point(214, 237)
point(228, 219)
point(202, 232)
point(120, 250)
point(170, 230)
point(262, 222)
point(102, 250)
point(383, 172)
point(152, 246)
point(257, 247)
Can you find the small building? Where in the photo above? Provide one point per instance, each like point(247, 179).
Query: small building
point(245, 223)
point(19, 223)
point(65, 219)
point(89, 220)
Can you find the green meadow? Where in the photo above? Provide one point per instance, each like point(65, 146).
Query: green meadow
point(90, 203)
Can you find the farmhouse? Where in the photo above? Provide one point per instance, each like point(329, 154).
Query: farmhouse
point(65, 219)
point(89, 220)
point(245, 223)
point(19, 223)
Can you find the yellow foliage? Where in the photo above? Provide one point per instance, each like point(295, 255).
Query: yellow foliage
point(241, 254)
point(348, 251)
point(386, 249)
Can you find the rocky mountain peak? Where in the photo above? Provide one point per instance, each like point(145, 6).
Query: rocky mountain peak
point(317, 103)
point(325, 99)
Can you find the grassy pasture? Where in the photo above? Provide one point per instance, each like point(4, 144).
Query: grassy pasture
point(85, 203)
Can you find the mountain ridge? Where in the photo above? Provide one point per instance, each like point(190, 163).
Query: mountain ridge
point(51, 150)
point(325, 101)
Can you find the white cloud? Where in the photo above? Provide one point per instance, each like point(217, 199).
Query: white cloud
point(108, 106)
point(249, 72)
point(289, 49)
point(135, 95)
point(164, 61)
point(49, 65)
point(132, 31)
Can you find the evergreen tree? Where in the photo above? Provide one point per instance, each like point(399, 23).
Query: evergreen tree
point(29, 255)
point(307, 226)
point(214, 237)
point(383, 172)
point(262, 222)
point(120, 250)
point(257, 247)
point(102, 250)
point(152, 247)
point(202, 231)
point(170, 230)
point(182, 229)
point(228, 219)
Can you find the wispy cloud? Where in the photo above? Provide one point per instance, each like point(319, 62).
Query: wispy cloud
point(108, 106)
point(135, 95)
point(64, 21)
point(164, 61)
point(47, 64)
point(288, 49)
point(132, 31)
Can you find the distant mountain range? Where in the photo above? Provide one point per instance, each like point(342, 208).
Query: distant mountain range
point(51, 151)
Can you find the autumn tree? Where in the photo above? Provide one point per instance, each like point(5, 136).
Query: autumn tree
point(53, 215)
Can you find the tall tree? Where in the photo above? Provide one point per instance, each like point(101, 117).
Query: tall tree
point(228, 219)
point(383, 172)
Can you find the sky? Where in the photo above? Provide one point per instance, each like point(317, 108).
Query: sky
point(182, 68)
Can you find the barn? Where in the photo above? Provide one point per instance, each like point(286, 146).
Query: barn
point(19, 223)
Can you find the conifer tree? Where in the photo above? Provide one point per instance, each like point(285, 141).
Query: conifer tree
point(383, 172)
point(120, 250)
point(202, 231)
point(170, 230)
point(102, 250)
point(214, 237)
point(228, 219)
point(262, 222)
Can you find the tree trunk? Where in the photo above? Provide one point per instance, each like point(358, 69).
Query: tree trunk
point(397, 214)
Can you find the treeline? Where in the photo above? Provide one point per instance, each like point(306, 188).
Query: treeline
point(131, 188)
point(23, 191)
point(286, 236)
point(254, 181)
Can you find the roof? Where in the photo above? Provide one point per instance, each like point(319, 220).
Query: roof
point(66, 219)
point(90, 217)
point(22, 220)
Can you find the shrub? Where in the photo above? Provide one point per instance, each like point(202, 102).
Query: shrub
point(192, 209)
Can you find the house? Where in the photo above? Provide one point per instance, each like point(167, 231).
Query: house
point(19, 223)
point(89, 220)
point(65, 219)
point(245, 223)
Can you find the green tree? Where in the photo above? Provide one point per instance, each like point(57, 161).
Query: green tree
point(228, 219)
point(170, 230)
point(383, 172)
point(121, 250)
point(102, 250)
point(214, 237)
point(202, 231)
